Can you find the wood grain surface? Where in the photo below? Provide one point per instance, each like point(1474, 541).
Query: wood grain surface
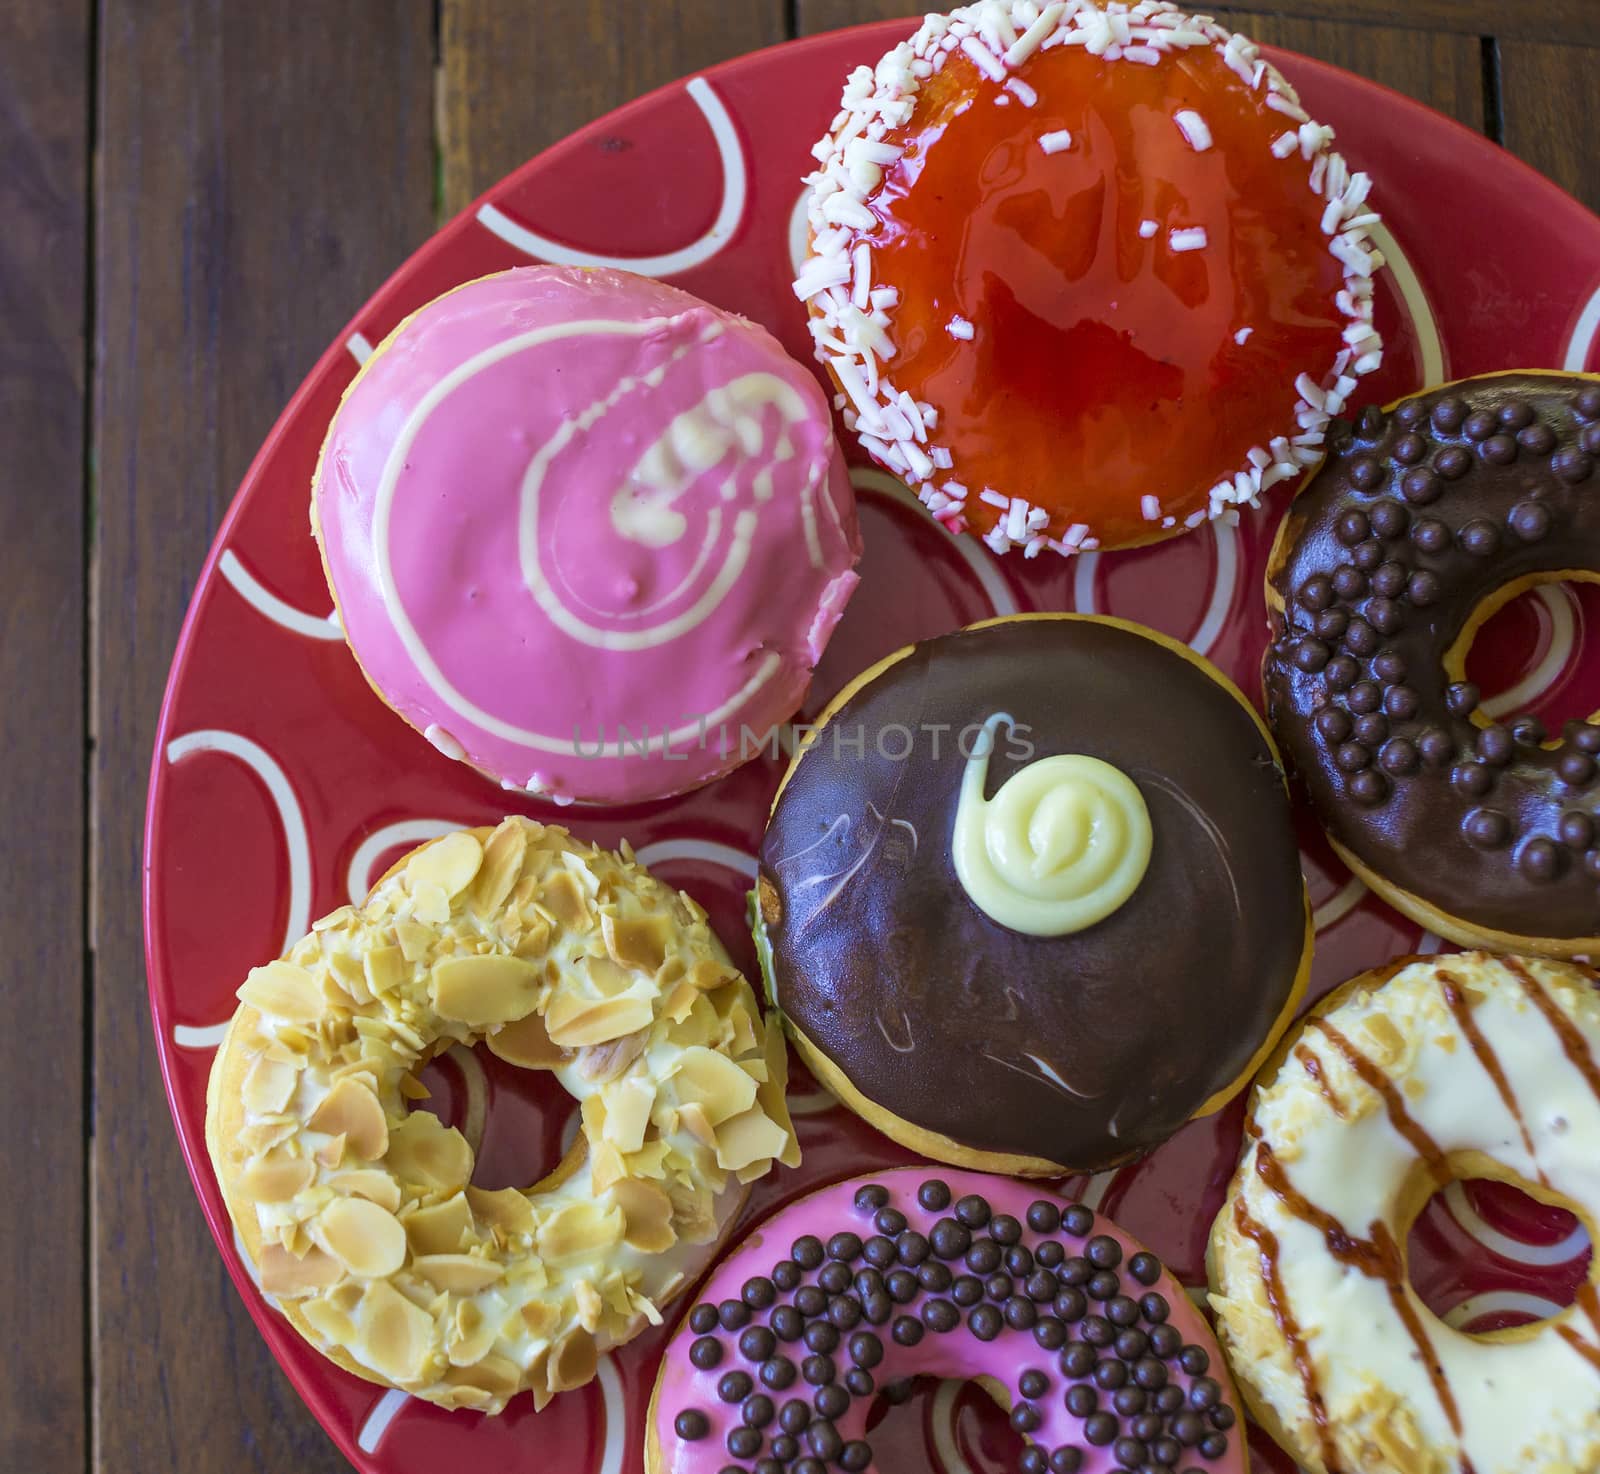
point(258, 171)
point(44, 142)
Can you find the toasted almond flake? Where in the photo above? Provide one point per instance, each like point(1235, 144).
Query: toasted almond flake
point(637, 941)
point(484, 990)
point(605, 1164)
point(331, 1153)
point(268, 1086)
point(503, 1208)
point(563, 897)
point(579, 1228)
point(286, 991)
point(503, 855)
point(426, 1152)
point(496, 1377)
point(590, 1307)
point(608, 978)
point(376, 1187)
point(628, 1106)
point(749, 1138)
point(415, 941)
point(603, 1062)
point(328, 1320)
point(449, 863)
point(351, 1109)
point(283, 1273)
point(367, 1239)
point(714, 1082)
point(395, 1336)
point(572, 1363)
point(385, 969)
point(470, 1335)
point(526, 1042)
point(709, 973)
point(647, 1215)
point(458, 1274)
point(275, 1177)
point(440, 1228)
point(577, 1022)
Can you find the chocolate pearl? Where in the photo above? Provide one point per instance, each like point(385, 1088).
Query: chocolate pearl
point(865, 1349)
point(1071, 1305)
point(1078, 1220)
point(985, 1322)
point(1050, 1253)
point(1369, 423)
point(906, 1330)
point(1331, 623)
point(1411, 414)
point(1097, 1331)
point(1169, 1399)
point(1388, 580)
point(973, 1211)
point(1213, 1446)
point(1591, 864)
point(1349, 583)
point(1103, 1251)
point(1130, 1401)
point(1099, 1429)
point(705, 1353)
point(845, 1247)
point(967, 1290)
point(950, 1239)
point(1529, 521)
point(1075, 1271)
point(1004, 1229)
point(1332, 724)
point(1019, 1263)
point(1390, 666)
point(1496, 746)
point(1033, 1383)
point(844, 1313)
point(1103, 1285)
point(984, 1257)
point(871, 1197)
point(787, 1323)
point(1453, 462)
point(934, 1195)
point(1399, 757)
point(691, 1425)
point(1385, 615)
point(1025, 1417)
point(1166, 1452)
point(878, 1251)
point(1150, 1373)
point(1589, 439)
point(757, 1343)
point(1461, 699)
point(1131, 1344)
point(1165, 1341)
point(858, 1382)
point(1479, 537)
point(1369, 788)
point(1479, 425)
point(1368, 556)
point(940, 1316)
point(1110, 1375)
point(934, 1276)
point(1409, 449)
point(1430, 536)
point(823, 1439)
point(1078, 1360)
point(1129, 1452)
point(1352, 528)
point(1487, 829)
point(735, 1386)
point(877, 1308)
point(1364, 473)
point(1316, 594)
point(1081, 1400)
point(804, 1466)
point(1122, 1311)
point(1020, 1313)
point(890, 1222)
point(1421, 486)
point(759, 1409)
point(1538, 440)
point(855, 1456)
point(1204, 1393)
point(744, 1443)
point(1448, 415)
point(1195, 1360)
point(786, 1274)
point(758, 1293)
point(1222, 1417)
point(1388, 518)
point(1471, 780)
point(1154, 1308)
point(821, 1336)
point(703, 1319)
point(778, 1373)
point(835, 1278)
point(1576, 830)
point(1050, 1333)
point(1573, 466)
point(1514, 415)
point(1043, 1216)
point(1527, 729)
point(1401, 703)
point(1188, 1428)
point(784, 1449)
point(1540, 861)
point(1360, 637)
point(1585, 738)
point(902, 1286)
point(1341, 673)
point(1041, 1287)
point(895, 1393)
point(1423, 588)
point(912, 1248)
point(733, 1314)
point(1575, 767)
point(1033, 1460)
point(1499, 450)
point(811, 1301)
point(1365, 696)
point(1352, 757)
point(1066, 1460)
point(1588, 402)
point(808, 1252)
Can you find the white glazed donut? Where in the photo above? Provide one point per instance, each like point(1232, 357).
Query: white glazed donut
point(360, 1216)
point(1426, 1071)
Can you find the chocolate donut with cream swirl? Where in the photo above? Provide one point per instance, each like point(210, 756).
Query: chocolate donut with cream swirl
point(1030, 897)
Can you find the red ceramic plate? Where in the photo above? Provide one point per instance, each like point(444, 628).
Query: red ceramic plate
point(282, 786)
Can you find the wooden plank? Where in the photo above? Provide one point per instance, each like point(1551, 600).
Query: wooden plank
point(44, 125)
point(1547, 20)
point(261, 171)
point(1551, 112)
point(511, 86)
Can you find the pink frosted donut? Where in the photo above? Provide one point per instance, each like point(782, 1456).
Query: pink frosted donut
point(581, 528)
point(1102, 1358)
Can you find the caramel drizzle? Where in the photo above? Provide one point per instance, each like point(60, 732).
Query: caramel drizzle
point(1313, 1068)
point(1572, 1042)
point(1451, 986)
point(1588, 1301)
point(1586, 1349)
point(1382, 1086)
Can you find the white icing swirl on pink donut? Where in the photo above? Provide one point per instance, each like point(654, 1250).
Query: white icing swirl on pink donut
point(588, 528)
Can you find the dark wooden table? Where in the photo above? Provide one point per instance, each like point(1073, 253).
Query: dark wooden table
point(194, 194)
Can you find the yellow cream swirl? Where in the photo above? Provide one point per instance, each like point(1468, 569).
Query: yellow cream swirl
point(1063, 843)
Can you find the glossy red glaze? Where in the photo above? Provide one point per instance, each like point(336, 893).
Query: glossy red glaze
point(1105, 365)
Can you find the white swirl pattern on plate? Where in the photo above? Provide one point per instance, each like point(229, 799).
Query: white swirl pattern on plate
point(263, 601)
point(1584, 331)
point(406, 832)
point(1517, 1250)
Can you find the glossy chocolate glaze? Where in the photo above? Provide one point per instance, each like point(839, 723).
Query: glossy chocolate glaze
point(1417, 518)
point(1082, 1049)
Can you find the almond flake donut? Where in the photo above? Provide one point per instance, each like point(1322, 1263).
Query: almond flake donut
point(361, 1219)
point(1402, 1081)
point(1102, 1360)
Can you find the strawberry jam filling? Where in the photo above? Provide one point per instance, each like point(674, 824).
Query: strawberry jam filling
point(1108, 296)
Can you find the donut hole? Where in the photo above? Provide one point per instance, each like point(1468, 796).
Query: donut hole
point(928, 1426)
point(1525, 648)
point(519, 1123)
point(1486, 1255)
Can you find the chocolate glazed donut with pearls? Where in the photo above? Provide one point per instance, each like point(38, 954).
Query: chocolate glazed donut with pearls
point(1425, 519)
